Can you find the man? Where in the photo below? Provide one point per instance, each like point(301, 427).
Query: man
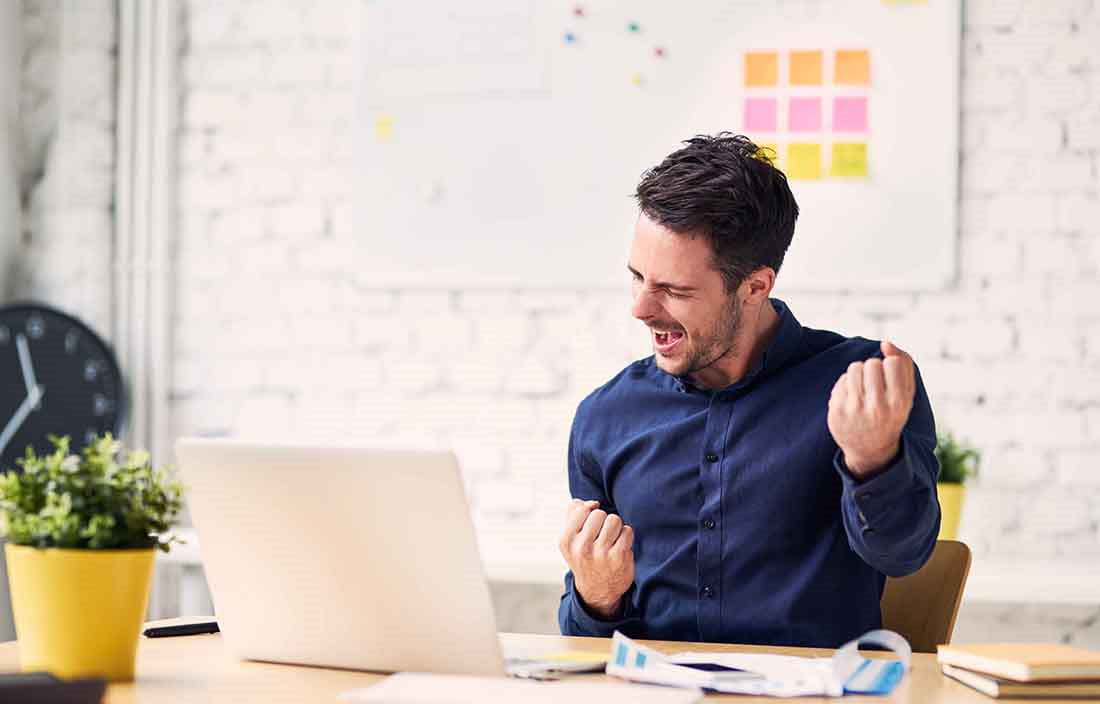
point(753, 481)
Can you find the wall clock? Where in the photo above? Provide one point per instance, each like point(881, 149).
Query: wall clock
point(57, 377)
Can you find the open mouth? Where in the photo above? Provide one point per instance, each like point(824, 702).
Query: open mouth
point(666, 340)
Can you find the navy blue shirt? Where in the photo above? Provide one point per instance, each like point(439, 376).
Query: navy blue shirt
point(748, 527)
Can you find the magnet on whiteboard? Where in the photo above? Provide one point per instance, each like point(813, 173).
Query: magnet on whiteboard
point(570, 38)
point(659, 52)
point(637, 80)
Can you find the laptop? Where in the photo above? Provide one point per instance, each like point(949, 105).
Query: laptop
point(341, 557)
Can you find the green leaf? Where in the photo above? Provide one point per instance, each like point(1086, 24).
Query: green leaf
point(958, 461)
point(92, 500)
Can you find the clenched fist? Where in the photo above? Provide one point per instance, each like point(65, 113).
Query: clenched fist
point(597, 547)
point(868, 408)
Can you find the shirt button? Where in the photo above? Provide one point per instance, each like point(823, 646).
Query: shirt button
point(709, 523)
point(708, 592)
point(711, 457)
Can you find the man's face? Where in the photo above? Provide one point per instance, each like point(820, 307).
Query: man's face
point(681, 297)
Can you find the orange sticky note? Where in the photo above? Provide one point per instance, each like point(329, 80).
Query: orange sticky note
point(761, 68)
point(805, 68)
point(849, 160)
point(853, 67)
point(803, 161)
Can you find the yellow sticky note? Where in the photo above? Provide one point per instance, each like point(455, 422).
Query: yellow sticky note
point(803, 161)
point(805, 68)
point(383, 128)
point(849, 160)
point(853, 67)
point(761, 68)
point(575, 656)
point(769, 151)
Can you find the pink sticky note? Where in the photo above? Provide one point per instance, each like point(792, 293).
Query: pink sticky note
point(760, 114)
point(850, 114)
point(805, 115)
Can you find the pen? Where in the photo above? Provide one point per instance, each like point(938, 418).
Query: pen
point(182, 629)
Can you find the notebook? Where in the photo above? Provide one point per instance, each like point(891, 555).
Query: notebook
point(1024, 662)
point(998, 687)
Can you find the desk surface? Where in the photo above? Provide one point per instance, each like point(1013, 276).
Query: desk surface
point(197, 669)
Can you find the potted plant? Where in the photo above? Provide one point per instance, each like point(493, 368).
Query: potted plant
point(958, 462)
point(83, 530)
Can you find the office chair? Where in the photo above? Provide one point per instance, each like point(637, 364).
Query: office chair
point(923, 606)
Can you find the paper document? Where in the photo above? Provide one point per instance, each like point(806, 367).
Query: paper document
point(418, 688)
point(846, 672)
point(552, 666)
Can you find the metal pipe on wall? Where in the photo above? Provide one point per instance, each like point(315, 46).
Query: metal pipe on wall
point(148, 102)
point(11, 49)
point(11, 54)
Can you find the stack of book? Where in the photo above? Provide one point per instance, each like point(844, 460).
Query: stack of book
point(1037, 670)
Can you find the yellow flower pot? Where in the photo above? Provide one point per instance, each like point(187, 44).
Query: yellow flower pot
point(951, 504)
point(78, 613)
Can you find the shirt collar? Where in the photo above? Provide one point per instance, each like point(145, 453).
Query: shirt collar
point(779, 350)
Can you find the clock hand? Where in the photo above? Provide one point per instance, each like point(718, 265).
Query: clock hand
point(21, 414)
point(25, 363)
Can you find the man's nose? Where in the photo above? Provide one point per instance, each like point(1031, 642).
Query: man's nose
point(644, 307)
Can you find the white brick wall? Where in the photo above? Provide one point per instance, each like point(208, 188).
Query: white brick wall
point(67, 118)
point(1009, 353)
point(275, 332)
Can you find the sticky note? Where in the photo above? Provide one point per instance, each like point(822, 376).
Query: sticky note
point(853, 67)
point(803, 161)
point(849, 160)
point(383, 128)
point(805, 68)
point(850, 114)
point(760, 114)
point(575, 656)
point(804, 114)
point(761, 68)
point(769, 151)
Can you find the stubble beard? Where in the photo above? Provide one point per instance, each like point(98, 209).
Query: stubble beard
point(721, 342)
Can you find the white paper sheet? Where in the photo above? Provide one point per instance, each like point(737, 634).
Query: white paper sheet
point(418, 688)
point(765, 674)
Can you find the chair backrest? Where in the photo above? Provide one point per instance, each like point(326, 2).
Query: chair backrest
point(923, 606)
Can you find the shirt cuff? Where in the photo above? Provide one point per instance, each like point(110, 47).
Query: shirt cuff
point(591, 624)
point(873, 497)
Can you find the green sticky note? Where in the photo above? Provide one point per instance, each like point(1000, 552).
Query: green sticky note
point(849, 160)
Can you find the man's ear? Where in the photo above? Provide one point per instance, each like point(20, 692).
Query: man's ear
point(757, 286)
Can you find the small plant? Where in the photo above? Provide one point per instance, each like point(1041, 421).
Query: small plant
point(958, 461)
point(95, 500)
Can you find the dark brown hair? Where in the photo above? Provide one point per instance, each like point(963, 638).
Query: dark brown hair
point(724, 188)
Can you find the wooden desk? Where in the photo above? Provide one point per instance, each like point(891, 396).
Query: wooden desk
point(196, 669)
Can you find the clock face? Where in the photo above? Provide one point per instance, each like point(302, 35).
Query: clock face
point(56, 378)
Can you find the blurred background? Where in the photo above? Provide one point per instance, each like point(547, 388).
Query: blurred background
point(187, 178)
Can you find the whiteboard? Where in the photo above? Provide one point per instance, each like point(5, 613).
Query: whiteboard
point(501, 140)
